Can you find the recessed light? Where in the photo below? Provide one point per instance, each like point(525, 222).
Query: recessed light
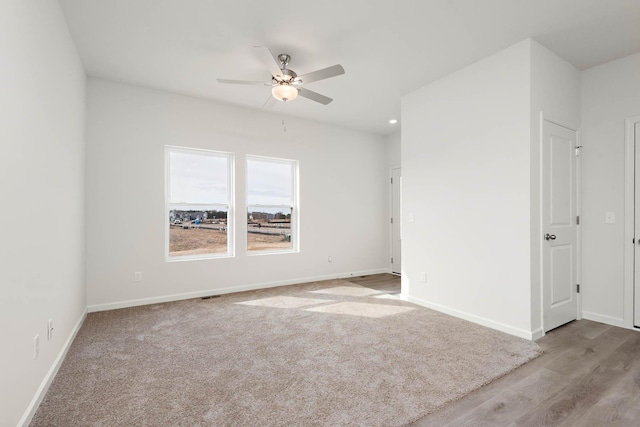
point(393, 121)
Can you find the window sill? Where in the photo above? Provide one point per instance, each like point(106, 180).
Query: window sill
point(198, 257)
point(277, 252)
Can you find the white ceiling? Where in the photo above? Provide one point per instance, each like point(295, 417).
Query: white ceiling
point(387, 48)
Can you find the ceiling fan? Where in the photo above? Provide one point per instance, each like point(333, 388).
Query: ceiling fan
point(285, 83)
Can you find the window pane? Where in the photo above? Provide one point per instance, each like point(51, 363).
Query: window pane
point(269, 182)
point(197, 232)
point(198, 178)
point(200, 222)
point(269, 228)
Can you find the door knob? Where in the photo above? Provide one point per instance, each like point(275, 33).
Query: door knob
point(549, 236)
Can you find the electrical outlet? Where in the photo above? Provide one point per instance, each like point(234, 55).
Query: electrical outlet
point(423, 277)
point(137, 276)
point(36, 346)
point(330, 258)
point(49, 329)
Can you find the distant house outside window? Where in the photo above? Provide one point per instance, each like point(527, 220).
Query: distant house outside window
point(272, 212)
point(199, 211)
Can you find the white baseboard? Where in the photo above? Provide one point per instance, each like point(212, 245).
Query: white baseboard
point(229, 290)
point(608, 320)
point(522, 333)
point(46, 382)
point(537, 334)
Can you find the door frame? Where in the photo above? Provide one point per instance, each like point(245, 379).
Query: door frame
point(629, 224)
point(391, 169)
point(578, 178)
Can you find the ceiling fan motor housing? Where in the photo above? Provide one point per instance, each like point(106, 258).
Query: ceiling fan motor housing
point(287, 76)
point(284, 59)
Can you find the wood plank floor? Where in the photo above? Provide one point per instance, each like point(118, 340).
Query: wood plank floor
point(589, 375)
point(388, 283)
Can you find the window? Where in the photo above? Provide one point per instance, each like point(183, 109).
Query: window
point(271, 205)
point(199, 217)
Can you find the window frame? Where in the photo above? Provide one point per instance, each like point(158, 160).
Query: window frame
point(168, 206)
point(295, 210)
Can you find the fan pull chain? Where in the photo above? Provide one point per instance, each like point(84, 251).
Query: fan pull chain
point(284, 126)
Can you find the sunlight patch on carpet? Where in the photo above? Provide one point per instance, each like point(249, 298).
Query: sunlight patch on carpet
point(361, 309)
point(387, 296)
point(347, 291)
point(284, 302)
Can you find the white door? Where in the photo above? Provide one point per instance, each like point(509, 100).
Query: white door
point(636, 315)
point(559, 229)
point(396, 238)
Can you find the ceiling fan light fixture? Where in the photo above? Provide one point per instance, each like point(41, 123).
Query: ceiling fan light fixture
point(284, 92)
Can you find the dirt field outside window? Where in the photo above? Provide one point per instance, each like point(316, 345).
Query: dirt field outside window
point(199, 241)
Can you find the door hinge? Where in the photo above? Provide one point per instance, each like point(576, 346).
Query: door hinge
point(391, 220)
point(391, 260)
point(578, 288)
point(578, 220)
point(391, 180)
point(578, 147)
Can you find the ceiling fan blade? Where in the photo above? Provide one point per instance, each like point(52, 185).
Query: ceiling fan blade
point(314, 96)
point(243, 82)
point(270, 102)
point(269, 60)
point(325, 73)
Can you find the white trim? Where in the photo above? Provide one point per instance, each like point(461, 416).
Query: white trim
point(579, 226)
point(601, 318)
point(390, 215)
point(537, 334)
point(540, 217)
point(522, 333)
point(228, 290)
point(257, 252)
point(48, 379)
point(629, 221)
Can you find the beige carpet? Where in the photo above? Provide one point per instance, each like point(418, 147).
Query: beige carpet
point(327, 353)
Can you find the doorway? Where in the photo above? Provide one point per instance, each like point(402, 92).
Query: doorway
point(634, 129)
point(396, 228)
point(631, 292)
point(559, 225)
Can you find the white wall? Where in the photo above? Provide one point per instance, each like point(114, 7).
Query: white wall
point(42, 106)
point(343, 201)
point(466, 179)
point(393, 150)
point(555, 93)
point(610, 94)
